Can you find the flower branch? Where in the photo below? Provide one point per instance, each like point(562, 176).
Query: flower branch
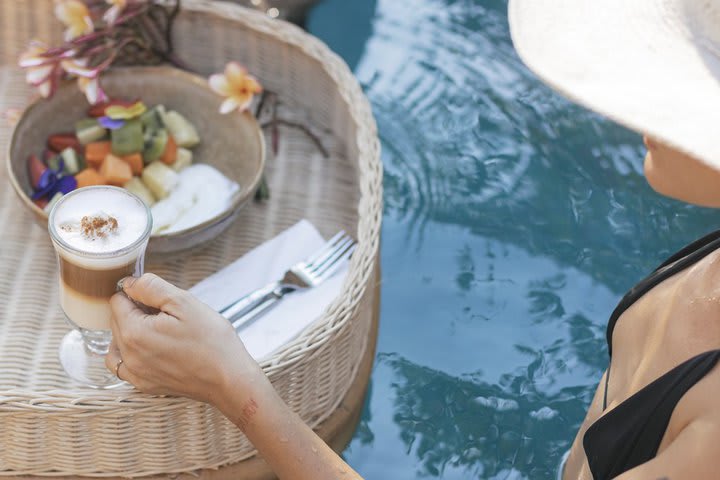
point(99, 34)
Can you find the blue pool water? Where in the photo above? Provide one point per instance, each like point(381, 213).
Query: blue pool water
point(514, 221)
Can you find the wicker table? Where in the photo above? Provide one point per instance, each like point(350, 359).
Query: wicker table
point(52, 427)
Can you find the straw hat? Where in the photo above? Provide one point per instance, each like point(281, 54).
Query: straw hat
point(652, 65)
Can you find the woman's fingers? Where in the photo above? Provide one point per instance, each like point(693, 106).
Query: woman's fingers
point(123, 310)
point(126, 318)
point(116, 364)
point(112, 359)
point(153, 291)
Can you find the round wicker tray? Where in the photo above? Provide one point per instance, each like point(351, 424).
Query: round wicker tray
point(50, 426)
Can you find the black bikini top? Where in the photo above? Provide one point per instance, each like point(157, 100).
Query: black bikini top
point(630, 434)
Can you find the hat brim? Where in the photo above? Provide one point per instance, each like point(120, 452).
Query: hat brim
point(634, 61)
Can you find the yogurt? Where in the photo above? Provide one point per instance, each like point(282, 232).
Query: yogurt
point(201, 194)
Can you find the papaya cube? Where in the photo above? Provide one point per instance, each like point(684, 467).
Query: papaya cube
point(96, 152)
point(136, 163)
point(115, 170)
point(169, 156)
point(89, 177)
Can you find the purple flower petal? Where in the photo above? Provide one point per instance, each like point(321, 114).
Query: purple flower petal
point(48, 178)
point(61, 166)
point(111, 123)
point(43, 192)
point(64, 185)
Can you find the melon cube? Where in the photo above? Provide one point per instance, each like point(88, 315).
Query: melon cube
point(115, 170)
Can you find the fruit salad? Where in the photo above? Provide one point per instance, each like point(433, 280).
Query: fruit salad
point(142, 149)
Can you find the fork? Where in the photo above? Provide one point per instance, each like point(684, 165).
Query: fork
point(309, 273)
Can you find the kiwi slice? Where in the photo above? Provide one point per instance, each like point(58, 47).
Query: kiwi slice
point(128, 139)
point(89, 130)
point(155, 143)
point(70, 160)
point(73, 161)
point(152, 120)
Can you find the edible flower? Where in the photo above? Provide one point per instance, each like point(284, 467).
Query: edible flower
point(52, 181)
point(121, 112)
point(112, 13)
point(111, 123)
point(41, 72)
point(237, 85)
point(76, 17)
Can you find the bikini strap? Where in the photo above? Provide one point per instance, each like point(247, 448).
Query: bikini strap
point(676, 263)
point(688, 249)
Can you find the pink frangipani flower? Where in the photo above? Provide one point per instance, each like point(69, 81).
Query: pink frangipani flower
point(78, 66)
point(41, 72)
point(237, 85)
point(88, 79)
point(76, 17)
point(92, 90)
point(112, 13)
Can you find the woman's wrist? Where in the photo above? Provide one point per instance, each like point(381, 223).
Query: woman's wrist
point(243, 387)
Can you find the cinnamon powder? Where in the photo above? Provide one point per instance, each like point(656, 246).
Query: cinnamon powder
point(98, 226)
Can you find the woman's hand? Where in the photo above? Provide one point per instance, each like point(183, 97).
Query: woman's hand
point(185, 349)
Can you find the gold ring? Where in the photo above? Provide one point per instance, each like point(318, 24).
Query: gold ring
point(117, 368)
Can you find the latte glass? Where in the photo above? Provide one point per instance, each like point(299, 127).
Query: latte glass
point(90, 268)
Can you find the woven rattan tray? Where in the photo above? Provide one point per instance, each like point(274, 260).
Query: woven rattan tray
point(50, 426)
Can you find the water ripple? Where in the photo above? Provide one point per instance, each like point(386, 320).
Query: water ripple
point(472, 138)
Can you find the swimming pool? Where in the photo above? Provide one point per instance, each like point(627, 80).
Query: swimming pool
point(514, 221)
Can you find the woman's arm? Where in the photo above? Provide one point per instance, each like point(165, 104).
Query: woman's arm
point(693, 454)
point(187, 349)
point(690, 448)
point(287, 444)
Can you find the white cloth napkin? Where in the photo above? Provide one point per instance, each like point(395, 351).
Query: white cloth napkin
point(261, 266)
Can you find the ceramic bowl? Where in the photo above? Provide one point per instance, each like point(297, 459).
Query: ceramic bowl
point(232, 143)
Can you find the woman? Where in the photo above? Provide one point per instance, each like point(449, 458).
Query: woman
point(654, 66)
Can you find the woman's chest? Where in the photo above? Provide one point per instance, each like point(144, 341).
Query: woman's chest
point(675, 320)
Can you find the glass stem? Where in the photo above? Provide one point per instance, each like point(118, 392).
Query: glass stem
point(97, 341)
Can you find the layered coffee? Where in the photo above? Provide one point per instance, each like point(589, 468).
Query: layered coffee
point(100, 234)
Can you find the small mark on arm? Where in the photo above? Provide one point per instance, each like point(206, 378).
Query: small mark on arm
point(246, 414)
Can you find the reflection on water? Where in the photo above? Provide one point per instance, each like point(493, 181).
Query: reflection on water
point(514, 221)
point(483, 430)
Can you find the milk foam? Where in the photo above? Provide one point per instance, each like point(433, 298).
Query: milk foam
point(130, 213)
